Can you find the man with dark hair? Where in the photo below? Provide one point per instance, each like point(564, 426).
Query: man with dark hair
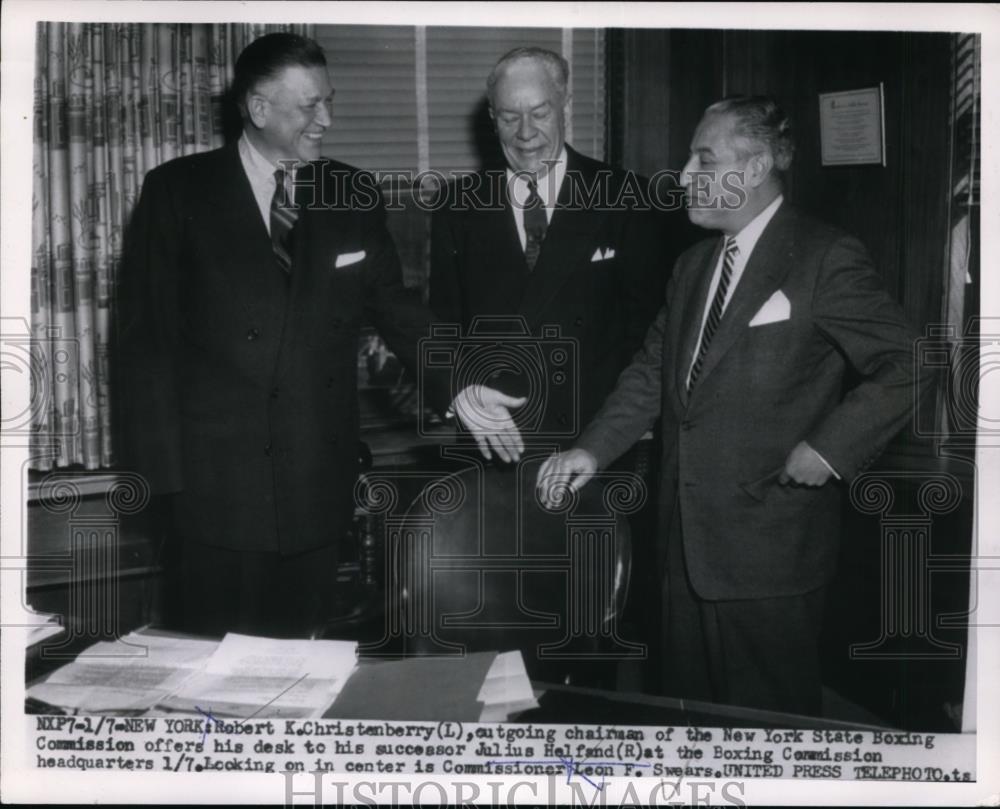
point(745, 365)
point(247, 274)
point(557, 239)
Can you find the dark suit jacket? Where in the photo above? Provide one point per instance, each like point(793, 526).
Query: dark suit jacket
point(761, 390)
point(600, 309)
point(240, 385)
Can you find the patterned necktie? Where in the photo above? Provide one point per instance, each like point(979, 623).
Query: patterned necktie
point(283, 219)
point(715, 313)
point(535, 225)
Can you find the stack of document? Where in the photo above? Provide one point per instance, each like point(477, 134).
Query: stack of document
point(260, 677)
point(506, 689)
point(246, 677)
point(130, 674)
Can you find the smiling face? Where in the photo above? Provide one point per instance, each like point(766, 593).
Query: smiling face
point(717, 179)
point(288, 114)
point(530, 116)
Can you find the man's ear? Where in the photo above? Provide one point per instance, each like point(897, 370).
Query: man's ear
point(759, 168)
point(257, 109)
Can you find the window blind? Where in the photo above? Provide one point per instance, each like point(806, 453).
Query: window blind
point(966, 84)
point(374, 104)
point(393, 97)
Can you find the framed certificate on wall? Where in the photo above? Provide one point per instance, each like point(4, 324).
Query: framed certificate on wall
point(852, 127)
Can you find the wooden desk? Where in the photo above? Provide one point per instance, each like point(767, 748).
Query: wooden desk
point(563, 704)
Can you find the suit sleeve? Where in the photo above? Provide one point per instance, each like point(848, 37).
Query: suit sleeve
point(148, 338)
point(445, 279)
point(634, 405)
point(854, 312)
point(398, 314)
point(646, 271)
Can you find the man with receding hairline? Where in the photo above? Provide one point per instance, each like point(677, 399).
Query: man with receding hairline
point(745, 364)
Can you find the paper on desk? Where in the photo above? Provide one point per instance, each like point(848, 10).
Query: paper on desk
point(506, 689)
point(250, 656)
point(250, 676)
point(47, 624)
point(132, 673)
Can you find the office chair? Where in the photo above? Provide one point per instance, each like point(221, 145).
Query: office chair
point(479, 564)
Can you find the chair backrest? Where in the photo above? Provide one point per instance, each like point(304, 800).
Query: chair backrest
point(479, 564)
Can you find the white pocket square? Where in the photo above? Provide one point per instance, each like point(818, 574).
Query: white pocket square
point(775, 309)
point(347, 259)
point(602, 255)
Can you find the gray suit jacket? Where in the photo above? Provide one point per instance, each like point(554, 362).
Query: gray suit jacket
point(761, 390)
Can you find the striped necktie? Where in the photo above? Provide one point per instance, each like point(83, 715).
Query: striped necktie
point(283, 219)
point(535, 225)
point(715, 313)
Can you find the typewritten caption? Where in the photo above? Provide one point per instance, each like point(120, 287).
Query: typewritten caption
point(587, 752)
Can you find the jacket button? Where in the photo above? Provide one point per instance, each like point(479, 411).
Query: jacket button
point(578, 322)
point(253, 334)
point(267, 450)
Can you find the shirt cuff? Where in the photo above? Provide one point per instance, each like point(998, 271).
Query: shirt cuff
point(825, 463)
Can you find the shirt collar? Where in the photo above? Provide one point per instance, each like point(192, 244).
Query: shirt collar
point(548, 186)
point(258, 167)
point(747, 238)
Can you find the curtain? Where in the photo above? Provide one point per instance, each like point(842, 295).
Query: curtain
point(111, 102)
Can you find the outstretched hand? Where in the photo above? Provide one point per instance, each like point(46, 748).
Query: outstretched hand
point(485, 413)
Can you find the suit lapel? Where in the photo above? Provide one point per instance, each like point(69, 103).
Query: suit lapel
point(320, 291)
point(763, 274)
point(571, 231)
point(691, 313)
point(252, 271)
point(499, 277)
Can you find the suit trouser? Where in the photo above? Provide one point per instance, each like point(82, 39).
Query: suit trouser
point(253, 592)
point(758, 653)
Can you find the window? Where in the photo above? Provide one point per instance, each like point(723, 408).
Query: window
point(414, 98)
point(959, 417)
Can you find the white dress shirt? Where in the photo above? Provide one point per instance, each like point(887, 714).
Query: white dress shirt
point(548, 190)
point(260, 172)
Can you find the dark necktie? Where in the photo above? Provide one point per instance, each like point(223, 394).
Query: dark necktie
point(535, 224)
point(283, 219)
point(715, 313)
